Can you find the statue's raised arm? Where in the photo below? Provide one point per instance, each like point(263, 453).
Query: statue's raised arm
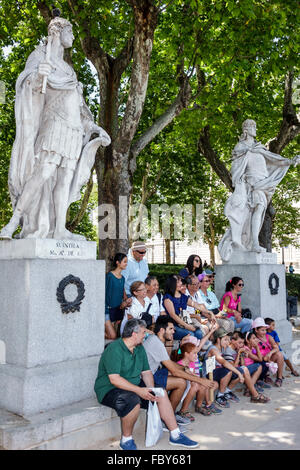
point(52, 154)
point(255, 174)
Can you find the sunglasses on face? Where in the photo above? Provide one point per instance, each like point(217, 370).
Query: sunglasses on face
point(197, 260)
point(141, 252)
point(241, 285)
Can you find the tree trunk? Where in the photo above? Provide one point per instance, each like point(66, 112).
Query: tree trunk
point(168, 250)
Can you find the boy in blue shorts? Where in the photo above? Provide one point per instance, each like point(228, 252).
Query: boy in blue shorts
point(271, 331)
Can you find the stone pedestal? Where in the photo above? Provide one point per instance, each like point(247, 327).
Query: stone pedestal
point(261, 276)
point(51, 356)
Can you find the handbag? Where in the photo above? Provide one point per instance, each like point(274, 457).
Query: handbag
point(146, 316)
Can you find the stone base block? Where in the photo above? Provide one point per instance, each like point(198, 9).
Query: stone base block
point(78, 426)
point(27, 391)
point(49, 248)
point(51, 356)
point(264, 292)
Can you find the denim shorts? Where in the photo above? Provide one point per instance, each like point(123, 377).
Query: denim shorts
point(161, 377)
point(123, 401)
point(219, 373)
point(234, 375)
point(253, 367)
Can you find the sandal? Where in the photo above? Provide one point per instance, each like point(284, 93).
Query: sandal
point(268, 380)
point(278, 382)
point(295, 373)
point(260, 399)
point(186, 414)
point(203, 410)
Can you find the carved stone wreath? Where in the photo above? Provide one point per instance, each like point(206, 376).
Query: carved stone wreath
point(273, 289)
point(67, 306)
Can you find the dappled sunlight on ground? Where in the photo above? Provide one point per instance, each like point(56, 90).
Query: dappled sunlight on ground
point(266, 438)
point(256, 414)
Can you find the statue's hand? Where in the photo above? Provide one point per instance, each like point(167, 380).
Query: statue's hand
point(44, 69)
point(296, 160)
point(105, 139)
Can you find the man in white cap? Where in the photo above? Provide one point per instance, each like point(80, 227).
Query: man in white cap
point(137, 267)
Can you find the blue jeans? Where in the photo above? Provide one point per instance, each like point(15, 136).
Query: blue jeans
point(244, 325)
point(181, 332)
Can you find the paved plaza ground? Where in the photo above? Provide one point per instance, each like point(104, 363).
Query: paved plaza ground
point(247, 426)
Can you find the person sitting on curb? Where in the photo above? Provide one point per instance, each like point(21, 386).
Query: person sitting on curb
point(125, 383)
point(154, 297)
point(272, 332)
point(192, 291)
point(231, 304)
point(211, 408)
point(227, 375)
point(268, 349)
point(193, 266)
point(139, 307)
point(167, 374)
point(254, 357)
point(238, 354)
point(175, 303)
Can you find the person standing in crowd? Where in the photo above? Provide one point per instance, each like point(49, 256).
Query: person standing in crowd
point(231, 304)
point(175, 303)
point(125, 383)
point(155, 297)
point(137, 267)
point(115, 296)
point(193, 266)
point(291, 268)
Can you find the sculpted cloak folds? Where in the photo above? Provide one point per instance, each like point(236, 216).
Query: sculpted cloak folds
point(46, 132)
point(250, 189)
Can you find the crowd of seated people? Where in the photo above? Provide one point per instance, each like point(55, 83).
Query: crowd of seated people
point(185, 325)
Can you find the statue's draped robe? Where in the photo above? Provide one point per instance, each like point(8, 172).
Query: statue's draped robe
point(240, 205)
point(30, 104)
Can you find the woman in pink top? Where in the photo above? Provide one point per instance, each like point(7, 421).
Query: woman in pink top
point(231, 304)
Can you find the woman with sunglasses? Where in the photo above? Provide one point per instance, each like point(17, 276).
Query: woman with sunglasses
point(140, 305)
point(175, 303)
point(231, 304)
point(193, 266)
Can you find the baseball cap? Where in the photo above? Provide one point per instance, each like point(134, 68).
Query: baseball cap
point(220, 333)
point(190, 339)
point(259, 322)
point(138, 246)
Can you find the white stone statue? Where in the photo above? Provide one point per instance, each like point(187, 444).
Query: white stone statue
point(52, 156)
point(255, 174)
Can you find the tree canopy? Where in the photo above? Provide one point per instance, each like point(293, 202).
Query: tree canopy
point(171, 82)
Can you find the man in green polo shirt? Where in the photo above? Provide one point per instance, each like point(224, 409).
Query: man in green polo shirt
point(124, 383)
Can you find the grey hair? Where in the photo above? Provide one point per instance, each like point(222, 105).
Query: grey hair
point(133, 326)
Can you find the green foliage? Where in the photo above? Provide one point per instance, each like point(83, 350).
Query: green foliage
point(162, 271)
point(293, 284)
point(241, 49)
